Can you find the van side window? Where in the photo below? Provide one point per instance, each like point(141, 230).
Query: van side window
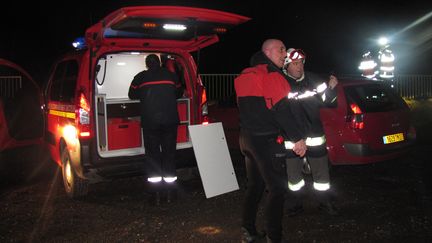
point(70, 81)
point(64, 81)
point(57, 82)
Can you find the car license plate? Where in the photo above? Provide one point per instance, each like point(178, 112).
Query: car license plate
point(393, 138)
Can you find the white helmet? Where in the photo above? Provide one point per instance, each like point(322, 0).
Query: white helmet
point(294, 54)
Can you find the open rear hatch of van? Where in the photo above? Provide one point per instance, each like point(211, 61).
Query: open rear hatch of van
point(120, 43)
point(186, 28)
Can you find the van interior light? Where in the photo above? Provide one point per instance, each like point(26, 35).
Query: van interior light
point(177, 27)
point(79, 43)
point(121, 64)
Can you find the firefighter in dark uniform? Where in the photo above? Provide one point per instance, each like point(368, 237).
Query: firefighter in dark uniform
point(264, 113)
point(309, 93)
point(156, 90)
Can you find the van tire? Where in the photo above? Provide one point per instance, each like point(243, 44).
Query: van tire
point(75, 186)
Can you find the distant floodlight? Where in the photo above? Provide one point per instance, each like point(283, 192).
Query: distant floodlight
point(383, 41)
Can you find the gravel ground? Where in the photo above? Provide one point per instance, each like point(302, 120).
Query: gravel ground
point(389, 201)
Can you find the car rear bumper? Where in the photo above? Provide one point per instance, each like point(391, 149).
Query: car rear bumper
point(359, 149)
point(354, 153)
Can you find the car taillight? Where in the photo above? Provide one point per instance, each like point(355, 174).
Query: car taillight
point(355, 117)
point(83, 116)
point(412, 133)
point(205, 120)
point(204, 106)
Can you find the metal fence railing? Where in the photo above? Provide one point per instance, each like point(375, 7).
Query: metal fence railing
point(9, 85)
point(221, 86)
point(414, 86)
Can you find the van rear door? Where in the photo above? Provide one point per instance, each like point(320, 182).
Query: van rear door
point(186, 28)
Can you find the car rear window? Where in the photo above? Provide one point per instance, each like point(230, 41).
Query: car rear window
point(374, 97)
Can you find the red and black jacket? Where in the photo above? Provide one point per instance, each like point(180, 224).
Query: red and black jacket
point(156, 89)
point(262, 92)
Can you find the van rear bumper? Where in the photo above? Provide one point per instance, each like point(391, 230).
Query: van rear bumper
point(96, 168)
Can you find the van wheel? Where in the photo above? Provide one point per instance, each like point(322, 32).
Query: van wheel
point(74, 185)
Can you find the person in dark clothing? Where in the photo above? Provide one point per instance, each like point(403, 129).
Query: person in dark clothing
point(264, 115)
point(156, 90)
point(309, 93)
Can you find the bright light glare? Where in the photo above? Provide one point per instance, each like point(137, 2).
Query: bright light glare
point(69, 132)
point(383, 41)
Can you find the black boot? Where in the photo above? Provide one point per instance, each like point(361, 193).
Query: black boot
point(251, 236)
point(328, 208)
point(295, 200)
point(155, 198)
point(171, 195)
point(325, 203)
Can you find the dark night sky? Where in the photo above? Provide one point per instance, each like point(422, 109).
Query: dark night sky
point(334, 36)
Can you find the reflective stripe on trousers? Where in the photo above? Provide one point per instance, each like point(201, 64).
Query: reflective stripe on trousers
point(158, 179)
point(297, 186)
point(321, 186)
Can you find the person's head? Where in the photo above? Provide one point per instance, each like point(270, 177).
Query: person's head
point(275, 50)
point(294, 62)
point(152, 61)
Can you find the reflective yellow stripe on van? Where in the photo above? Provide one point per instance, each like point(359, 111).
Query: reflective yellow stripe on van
point(63, 114)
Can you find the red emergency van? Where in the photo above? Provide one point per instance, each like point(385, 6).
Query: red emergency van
point(93, 128)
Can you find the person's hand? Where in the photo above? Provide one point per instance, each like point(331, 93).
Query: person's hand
point(300, 148)
point(333, 81)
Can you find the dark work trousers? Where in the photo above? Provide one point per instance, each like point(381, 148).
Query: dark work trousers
point(160, 147)
point(265, 168)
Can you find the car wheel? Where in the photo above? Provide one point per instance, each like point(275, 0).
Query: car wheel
point(74, 185)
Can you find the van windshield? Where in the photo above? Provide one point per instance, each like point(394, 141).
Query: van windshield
point(374, 98)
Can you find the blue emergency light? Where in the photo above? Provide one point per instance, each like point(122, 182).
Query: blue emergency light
point(79, 43)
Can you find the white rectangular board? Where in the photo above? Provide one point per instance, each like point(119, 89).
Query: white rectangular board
point(213, 159)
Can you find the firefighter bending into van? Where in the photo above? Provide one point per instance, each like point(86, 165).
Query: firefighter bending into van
point(156, 89)
point(308, 94)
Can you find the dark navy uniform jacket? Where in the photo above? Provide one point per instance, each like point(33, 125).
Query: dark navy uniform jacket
point(156, 89)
